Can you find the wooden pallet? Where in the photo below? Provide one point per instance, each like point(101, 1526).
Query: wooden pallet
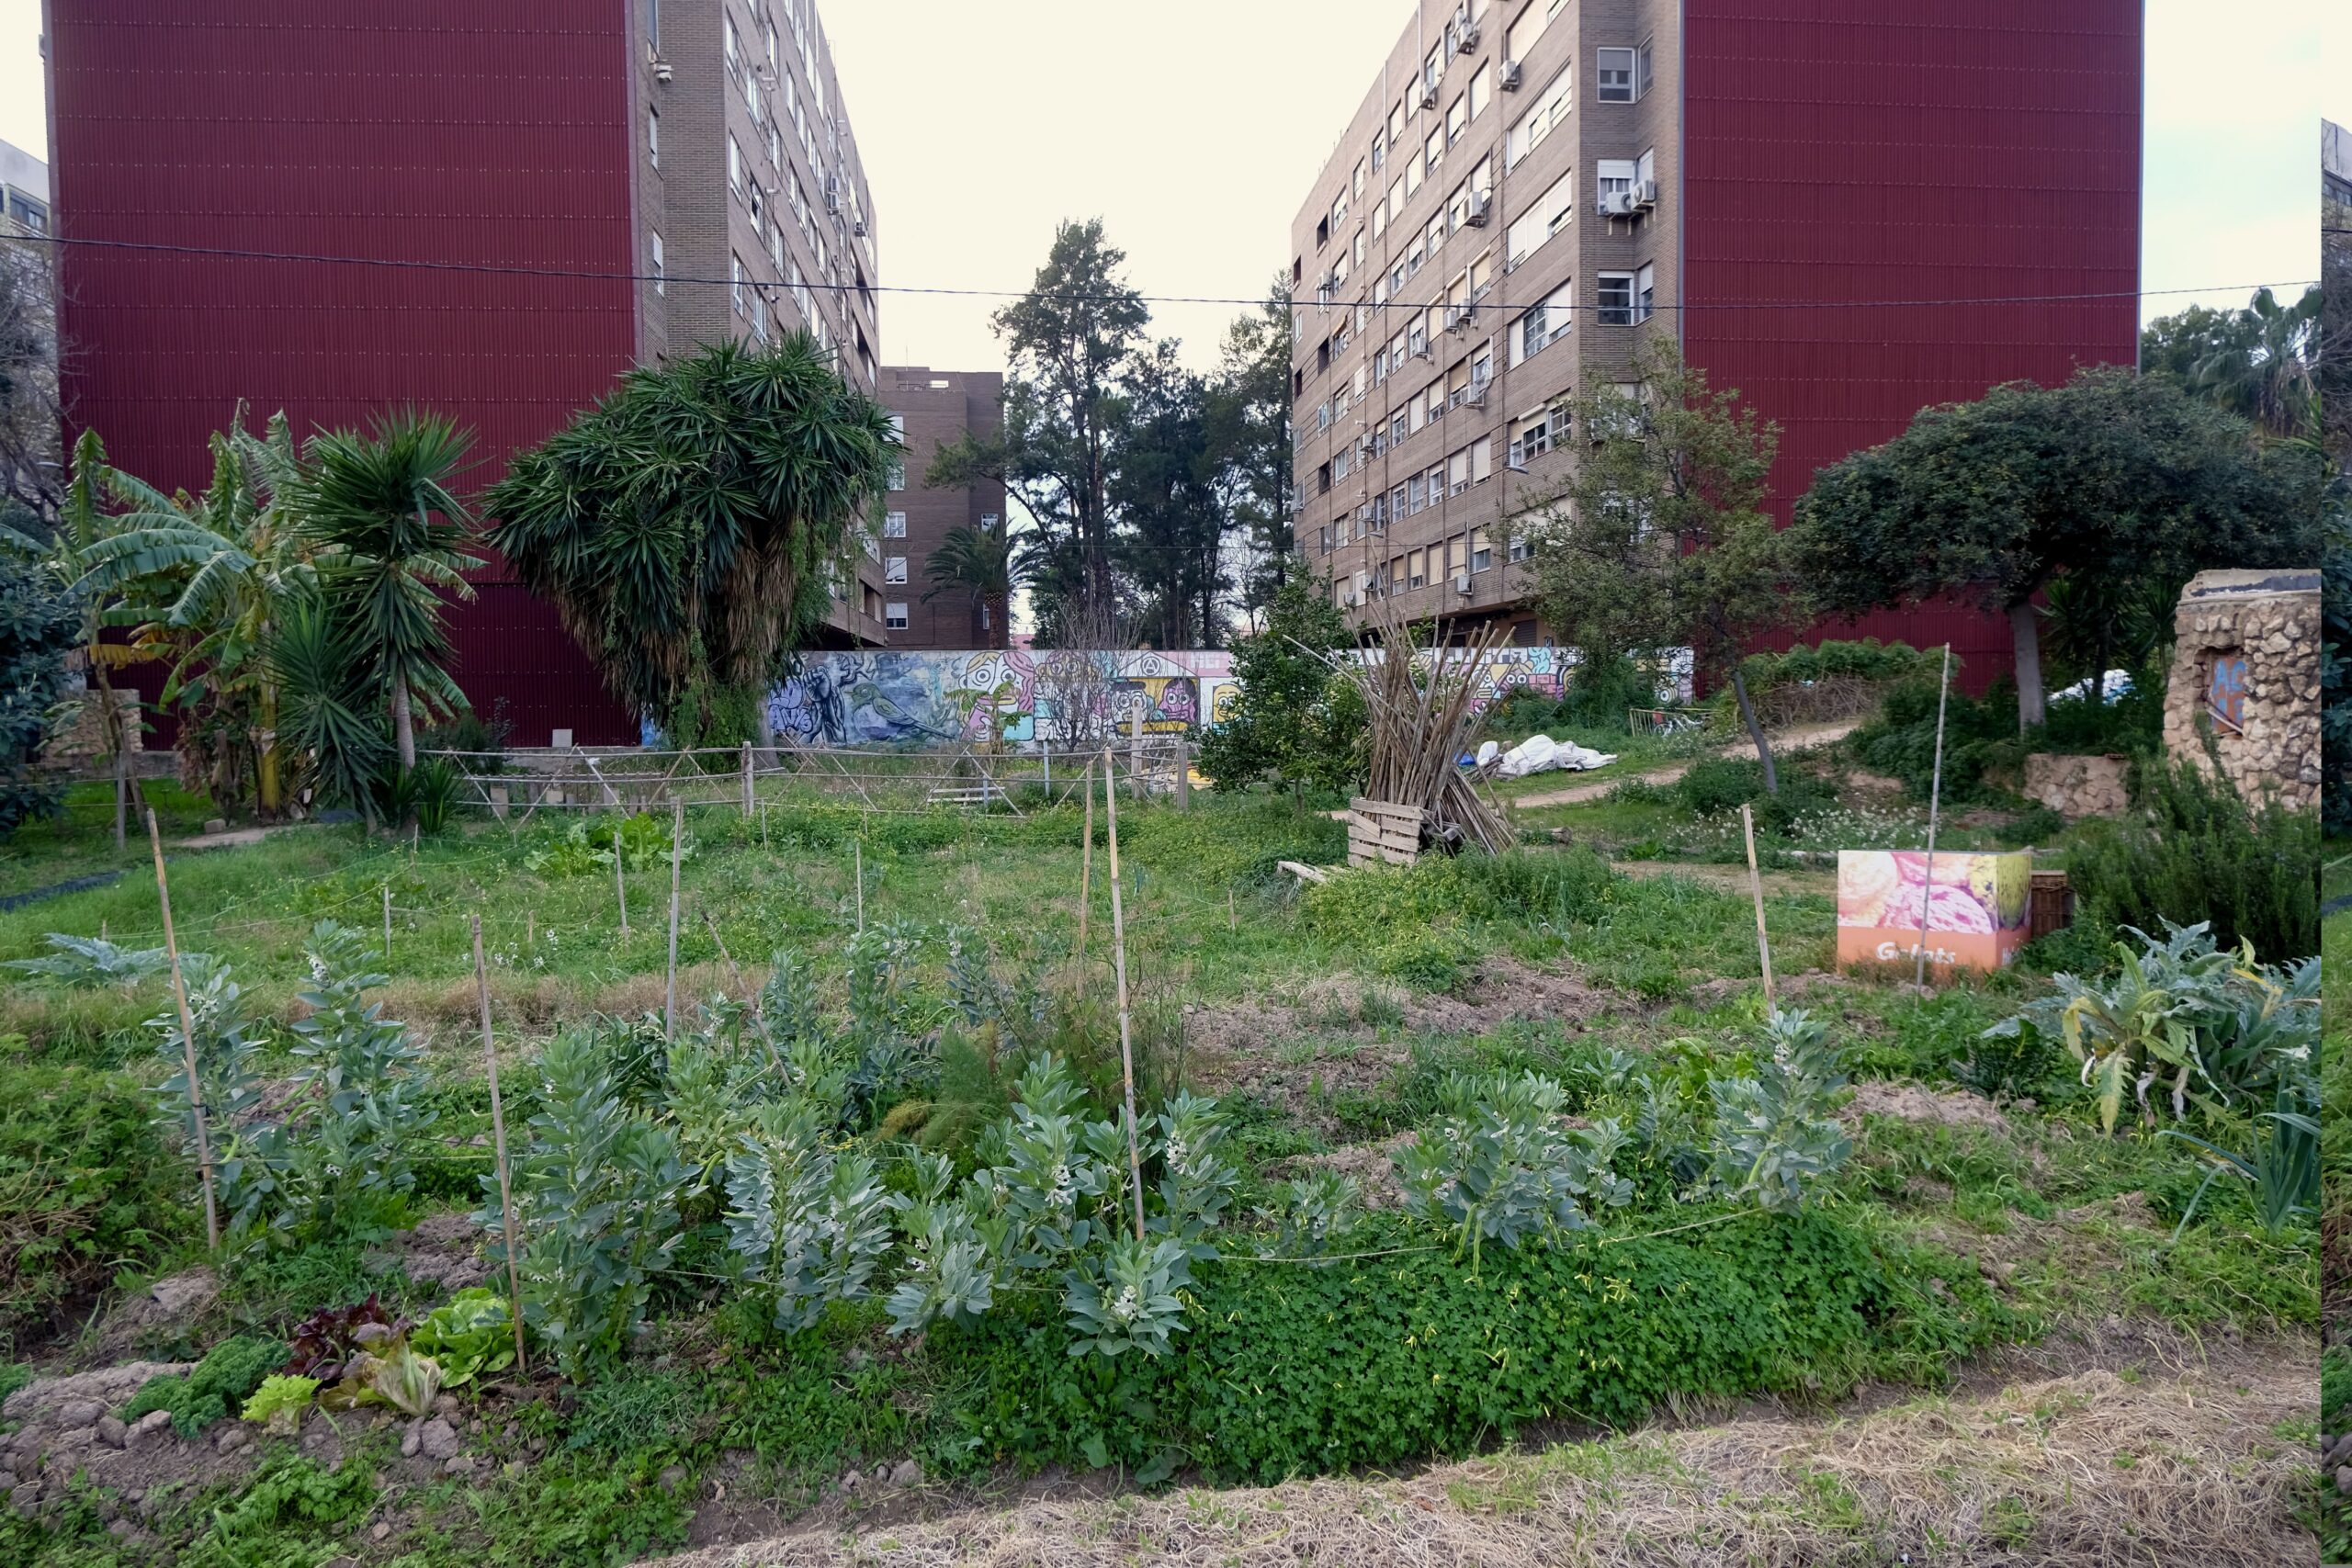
point(1382, 830)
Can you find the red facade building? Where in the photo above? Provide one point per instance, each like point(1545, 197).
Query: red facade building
point(1795, 190)
point(503, 170)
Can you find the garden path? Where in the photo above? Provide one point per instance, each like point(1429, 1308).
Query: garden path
point(1804, 737)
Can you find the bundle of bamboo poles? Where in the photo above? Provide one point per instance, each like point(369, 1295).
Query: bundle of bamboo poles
point(1421, 722)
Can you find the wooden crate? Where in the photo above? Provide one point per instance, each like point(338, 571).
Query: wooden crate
point(2052, 905)
point(1382, 830)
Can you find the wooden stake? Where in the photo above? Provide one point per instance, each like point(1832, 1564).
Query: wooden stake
point(531, 931)
point(1935, 800)
point(747, 781)
point(1119, 960)
point(1232, 920)
point(387, 921)
point(1184, 776)
point(1756, 886)
point(1135, 748)
point(1086, 862)
point(677, 843)
point(505, 1183)
point(187, 1038)
point(857, 864)
point(620, 887)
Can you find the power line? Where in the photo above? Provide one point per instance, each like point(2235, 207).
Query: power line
point(1070, 297)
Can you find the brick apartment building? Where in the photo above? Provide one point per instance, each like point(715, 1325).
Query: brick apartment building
point(1532, 187)
point(573, 187)
point(935, 409)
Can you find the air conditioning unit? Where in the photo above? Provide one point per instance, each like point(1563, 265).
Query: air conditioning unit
point(1469, 43)
point(1424, 352)
point(1428, 94)
point(1646, 194)
point(661, 71)
point(1618, 204)
point(1462, 583)
point(858, 228)
point(1509, 76)
point(832, 197)
point(1481, 206)
point(1477, 396)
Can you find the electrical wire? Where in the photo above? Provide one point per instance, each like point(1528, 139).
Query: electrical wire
point(1082, 297)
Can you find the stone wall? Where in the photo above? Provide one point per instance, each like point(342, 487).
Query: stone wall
point(2246, 671)
point(2079, 786)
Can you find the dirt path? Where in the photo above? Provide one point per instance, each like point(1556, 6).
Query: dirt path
point(1802, 739)
point(2134, 1462)
point(1731, 878)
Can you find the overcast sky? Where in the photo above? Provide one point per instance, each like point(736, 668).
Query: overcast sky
point(1193, 130)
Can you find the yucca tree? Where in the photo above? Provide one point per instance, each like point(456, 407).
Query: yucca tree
point(687, 526)
point(388, 532)
point(983, 564)
point(214, 575)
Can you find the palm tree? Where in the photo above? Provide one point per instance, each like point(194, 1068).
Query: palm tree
point(217, 575)
point(983, 563)
point(388, 532)
point(2260, 366)
point(687, 527)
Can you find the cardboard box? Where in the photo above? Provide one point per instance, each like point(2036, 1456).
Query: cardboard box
point(1976, 909)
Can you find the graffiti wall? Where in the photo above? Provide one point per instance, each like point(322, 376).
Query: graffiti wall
point(867, 697)
point(871, 697)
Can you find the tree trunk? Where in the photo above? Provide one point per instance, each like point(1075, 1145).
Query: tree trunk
point(2024, 633)
point(1755, 731)
point(404, 724)
point(110, 716)
point(272, 797)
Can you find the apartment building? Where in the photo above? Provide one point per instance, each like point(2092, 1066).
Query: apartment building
point(1844, 209)
point(24, 191)
point(525, 199)
point(934, 409)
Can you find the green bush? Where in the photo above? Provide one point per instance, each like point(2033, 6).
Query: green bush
point(1291, 1370)
point(86, 1187)
point(1725, 783)
point(217, 1386)
point(1869, 660)
point(2194, 850)
point(1296, 720)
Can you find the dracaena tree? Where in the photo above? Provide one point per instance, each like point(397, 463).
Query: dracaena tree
point(685, 526)
point(387, 534)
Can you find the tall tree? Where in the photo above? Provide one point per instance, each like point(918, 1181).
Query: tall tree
point(2255, 362)
point(2111, 473)
point(1171, 511)
point(1658, 537)
point(981, 564)
point(214, 576)
point(689, 526)
point(1249, 406)
point(41, 625)
point(387, 534)
point(1071, 343)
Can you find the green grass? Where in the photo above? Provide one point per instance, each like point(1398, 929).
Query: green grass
point(80, 842)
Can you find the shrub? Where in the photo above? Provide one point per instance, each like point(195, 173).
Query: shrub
point(1296, 720)
point(85, 1186)
point(2194, 848)
point(214, 1387)
point(41, 623)
point(1725, 783)
point(1775, 1139)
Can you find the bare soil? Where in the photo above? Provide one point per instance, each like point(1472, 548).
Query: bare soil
point(1909, 1102)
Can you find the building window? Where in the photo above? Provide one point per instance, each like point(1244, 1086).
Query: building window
point(894, 526)
point(660, 276)
point(898, 467)
point(1457, 120)
point(1417, 490)
point(1482, 88)
point(1543, 323)
point(893, 615)
point(1521, 548)
point(1323, 480)
point(1613, 176)
point(1482, 552)
point(653, 25)
point(1544, 216)
point(734, 165)
point(1616, 300)
point(1549, 113)
point(893, 569)
point(1644, 292)
point(653, 137)
point(1323, 540)
point(1644, 77)
point(1616, 82)
point(736, 289)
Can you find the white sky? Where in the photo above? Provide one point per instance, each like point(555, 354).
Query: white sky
point(1193, 130)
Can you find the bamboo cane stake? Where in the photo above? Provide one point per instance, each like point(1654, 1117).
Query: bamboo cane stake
point(1086, 862)
point(677, 844)
point(620, 887)
point(187, 1039)
point(505, 1182)
point(1935, 800)
point(388, 921)
point(1756, 888)
point(857, 863)
point(1119, 959)
point(1232, 920)
point(747, 781)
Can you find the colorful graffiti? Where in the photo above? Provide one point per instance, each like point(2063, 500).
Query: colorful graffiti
point(914, 699)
